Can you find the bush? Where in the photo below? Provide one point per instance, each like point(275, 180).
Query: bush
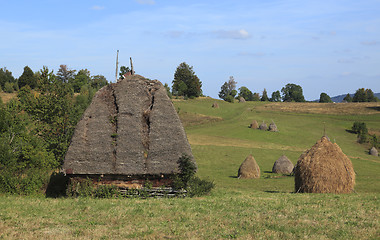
point(8, 87)
point(80, 188)
point(359, 127)
point(106, 191)
point(198, 187)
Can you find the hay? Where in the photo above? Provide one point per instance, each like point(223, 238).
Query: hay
point(241, 100)
point(263, 126)
point(254, 125)
point(283, 165)
point(215, 105)
point(249, 168)
point(374, 152)
point(324, 169)
point(272, 127)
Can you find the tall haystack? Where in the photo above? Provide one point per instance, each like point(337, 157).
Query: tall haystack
point(324, 169)
point(283, 165)
point(241, 100)
point(215, 105)
point(263, 126)
point(374, 152)
point(254, 125)
point(272, 127)
point(249, 168)
point(130, 132)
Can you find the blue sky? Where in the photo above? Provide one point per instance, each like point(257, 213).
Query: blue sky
point(324, 46)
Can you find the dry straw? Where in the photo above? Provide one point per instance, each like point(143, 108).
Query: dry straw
point(374, 152)
point(254, 125)
point(283, 165)
point(324, 169)
point(249, 168)
point(263, 126)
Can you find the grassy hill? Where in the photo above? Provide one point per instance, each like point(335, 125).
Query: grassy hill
point(264, 208)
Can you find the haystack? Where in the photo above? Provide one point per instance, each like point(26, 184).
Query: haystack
point(249, 168)
point(272, 127)
point(215, 105)
point(254, 125)
point(324, 169)
point(263, 126)
point(374, 152)
point(283, 165)
point(241, 100)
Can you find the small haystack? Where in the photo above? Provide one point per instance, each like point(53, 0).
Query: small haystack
point(374, 152)
point(215, 105)
point(249, 168)
point(324, 169)
point(283, 165)
point(272, 127)
point(263, 126)
point(254, 125)
point(241, 100)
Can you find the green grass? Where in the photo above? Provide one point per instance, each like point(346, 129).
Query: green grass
point(264, 208)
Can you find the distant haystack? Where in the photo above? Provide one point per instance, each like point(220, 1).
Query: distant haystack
point(374, 152)
point(324, 169)
point(249, 168)
point(254, 125)
point(241, 100)
point(215, 105)
point(263, 126)
point(283, 165)
point(272, 127)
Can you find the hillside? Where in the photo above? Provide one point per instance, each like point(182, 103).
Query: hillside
point(339, 98)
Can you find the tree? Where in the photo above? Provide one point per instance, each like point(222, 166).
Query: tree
point(348, 98)
point(65, 74)
point(5, 77)
point(324, 98)
point(256, 97)
point(245, 93)
point(370, 96)
point(228, 90)
point(276, 97)
point(360, 96)
point(27, 78)
point(98, 81)
point(185, 82)
point(81, 79)
point(264, 97)
point(292, 92)
point(123, 70)
point(166, 86)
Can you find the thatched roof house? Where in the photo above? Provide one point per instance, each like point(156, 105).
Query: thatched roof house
point(283, 165)
point(374, 152)
point(324, 169)
point(249, 168)
point(130, 131)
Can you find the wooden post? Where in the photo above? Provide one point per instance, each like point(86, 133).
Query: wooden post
point(117, 65)
point(132, 71)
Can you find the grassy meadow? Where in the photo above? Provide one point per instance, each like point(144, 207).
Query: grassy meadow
point(265, 208)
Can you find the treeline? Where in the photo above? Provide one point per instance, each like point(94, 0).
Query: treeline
point(36, 127)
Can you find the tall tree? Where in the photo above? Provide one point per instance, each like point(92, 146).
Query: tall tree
point(360, 96)
point(292, 92)
point(348, 98)
point(27, 78)
point(81, 79)
point(245, 93)
point(228, 90)
point(65, 74)
point(256, 97)
point(5, 76)
point(98, 81)
point(324, 98)
point(185, 76)
point(370, 96)
point(123, 70)
point(264, 97)
point(276, 97)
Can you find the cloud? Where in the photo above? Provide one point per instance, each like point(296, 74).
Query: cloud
point(370, 43)
point(174, 34)
point(97, 7)
point(233, 34)
point(146, 2)
point(252, 54)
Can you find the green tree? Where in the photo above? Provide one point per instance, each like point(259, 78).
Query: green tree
point(348, 98)
point(324, 98)
point(292, 92)
point(256, 97)
point(98, 81)
point(370, 96)
point(185, 76)
point(264, 97)
point(65, 74)
point(82, 78)
point(123, 70)
point(166, 86)
point(228, 90)
point(360, 95)
point(27, 78)
point(245, 93)
point(5, 76)
point(276, 97)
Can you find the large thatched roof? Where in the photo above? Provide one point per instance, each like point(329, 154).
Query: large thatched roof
point(130, 128)
point(324, 169)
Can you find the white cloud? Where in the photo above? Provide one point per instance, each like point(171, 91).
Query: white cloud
point(97, 7)
point(146, 2)
point(233, 34)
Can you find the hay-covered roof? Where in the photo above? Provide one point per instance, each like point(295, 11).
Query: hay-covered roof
point(130, 128)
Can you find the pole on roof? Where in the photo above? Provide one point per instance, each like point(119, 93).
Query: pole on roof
point(132, 71)
point(117, 65)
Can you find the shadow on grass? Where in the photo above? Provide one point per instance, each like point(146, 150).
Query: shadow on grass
point(57, 185)
point(233, 176)
point(374, 108)
point(350, 131)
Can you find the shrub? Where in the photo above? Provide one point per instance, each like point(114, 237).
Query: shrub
point(80, 188)
point(8, 87)
point(106, 191)
point(198, 187)
point(359, 127)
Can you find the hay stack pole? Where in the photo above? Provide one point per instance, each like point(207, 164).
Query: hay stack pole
point(324, 169)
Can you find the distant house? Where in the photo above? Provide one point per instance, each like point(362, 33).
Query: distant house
point(129, 134)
